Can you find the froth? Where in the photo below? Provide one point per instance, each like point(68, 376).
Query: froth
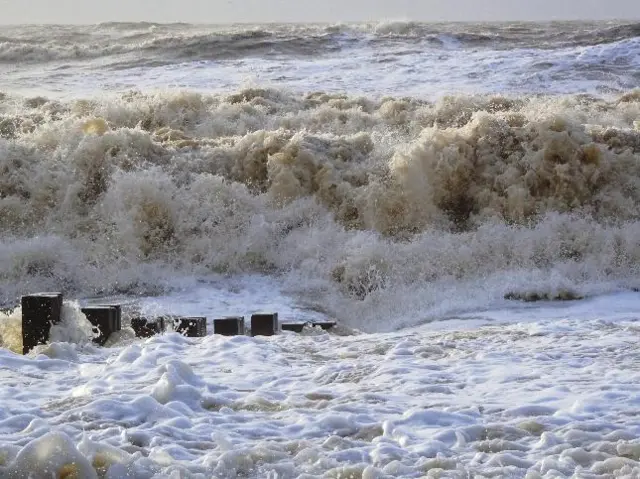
point(369, 204)
point(11, 330)
point(73, 328)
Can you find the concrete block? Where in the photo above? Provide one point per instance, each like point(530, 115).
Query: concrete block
point(264, 324)
point(105, 318)
point(191, 327)
point(231, 326)
point(39, 312)
point(118, 313)
point(146, 327)
point(295, 327)
point(326, 325)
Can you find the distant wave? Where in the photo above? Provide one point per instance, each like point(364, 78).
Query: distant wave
point(168, 43)
point(167, 48)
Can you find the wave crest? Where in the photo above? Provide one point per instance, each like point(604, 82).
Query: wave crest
point(125, 45)
point(378, 200)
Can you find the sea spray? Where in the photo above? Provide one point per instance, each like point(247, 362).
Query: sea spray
point(123, 44)
point(73, 328)
point(375, 202)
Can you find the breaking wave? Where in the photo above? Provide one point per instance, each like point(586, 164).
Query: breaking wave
point(368, 209)
point(143, 43)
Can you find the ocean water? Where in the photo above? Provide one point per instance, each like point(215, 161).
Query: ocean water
point(462, 198)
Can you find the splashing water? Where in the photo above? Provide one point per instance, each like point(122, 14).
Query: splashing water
point(435, 220)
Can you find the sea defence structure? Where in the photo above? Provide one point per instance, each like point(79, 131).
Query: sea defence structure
point(146, 327)
point(107, 320)
point(40, 311)
point(264, 324)
point(192, 327)
point(231, 326)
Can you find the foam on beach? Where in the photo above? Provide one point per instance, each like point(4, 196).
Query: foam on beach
point(483, 400)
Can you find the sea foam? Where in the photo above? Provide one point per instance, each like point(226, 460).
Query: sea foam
point(366, 208)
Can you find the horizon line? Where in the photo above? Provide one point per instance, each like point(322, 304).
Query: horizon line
point(337, 22)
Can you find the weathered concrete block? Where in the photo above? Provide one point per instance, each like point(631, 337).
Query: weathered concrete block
point(39, 312)
point(231, 326)
point(264, 324)
point(191, 327)
point(146, 327)
point(118, 313)
point(105, 318)
point(298, 327)
point(295, 327)
point(326, 325)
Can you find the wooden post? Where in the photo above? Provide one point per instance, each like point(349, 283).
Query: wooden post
point(39, 312)
point(118, 313)
point(324, 324)
point(145, 328)
point(295, 327)
point(192, 327)
point(264, 324)
point(298, 327)
point(105, 318)
point(231, 326)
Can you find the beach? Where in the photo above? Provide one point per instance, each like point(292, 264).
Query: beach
point(461, 198)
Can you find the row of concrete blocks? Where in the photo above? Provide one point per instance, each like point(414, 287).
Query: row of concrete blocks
point(40, 311)
point(263, 324)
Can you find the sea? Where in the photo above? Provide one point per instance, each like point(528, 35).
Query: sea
point(462, 199)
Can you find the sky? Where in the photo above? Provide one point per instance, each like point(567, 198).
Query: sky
point(250, 11)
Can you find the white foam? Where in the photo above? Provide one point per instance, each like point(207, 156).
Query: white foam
point(399, 57)
point(407, 219)
point(549, 396)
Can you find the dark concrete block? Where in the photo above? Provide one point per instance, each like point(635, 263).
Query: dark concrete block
point(295, 327)
point(232, 326)
point(145, 328)
point(264, 324)
point(191, 327)
point(39, 312)
point(118, 312)
point(105, 318)
point(324, 324)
